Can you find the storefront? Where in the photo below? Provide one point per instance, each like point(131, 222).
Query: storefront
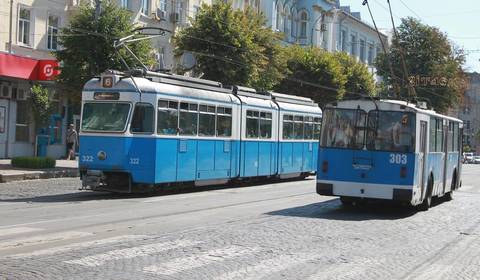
point(18, 132)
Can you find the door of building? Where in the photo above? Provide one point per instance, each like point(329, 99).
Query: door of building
point(3, 127)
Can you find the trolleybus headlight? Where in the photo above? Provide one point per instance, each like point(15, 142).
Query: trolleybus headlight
point(325, 166)
point(403, 172)
point(102, 155)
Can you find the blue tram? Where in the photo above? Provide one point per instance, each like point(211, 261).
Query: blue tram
point(387, 149)
point(162, 129)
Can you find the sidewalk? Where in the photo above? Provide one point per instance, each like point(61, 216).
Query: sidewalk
point(64, 168)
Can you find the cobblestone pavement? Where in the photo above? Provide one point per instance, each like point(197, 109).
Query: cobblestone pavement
point(277, 231)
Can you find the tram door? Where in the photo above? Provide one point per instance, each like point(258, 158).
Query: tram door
point(422, 153)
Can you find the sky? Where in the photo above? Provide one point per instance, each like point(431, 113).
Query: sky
point(459, 19)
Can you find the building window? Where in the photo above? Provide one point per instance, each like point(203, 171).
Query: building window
point(362, 50)
point(22, 129)
point(162, 5)
point(179, 11)
point(279, 21)
point(145, 7)
point(370, 54)
point(353, 45)
point(24, 26)
point(293, 25)
point(125, 4)
point(52, 32)
point(343, 40)
point(303, 24)
point(286, 21)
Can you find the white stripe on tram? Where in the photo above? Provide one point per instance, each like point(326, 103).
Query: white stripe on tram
point(196, 261)
point(42, 239)
point(79, 246)
point(267, 267)
point(130, 253)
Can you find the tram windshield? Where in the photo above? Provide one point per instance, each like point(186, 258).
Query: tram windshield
point(103, 116)
point(391, 131)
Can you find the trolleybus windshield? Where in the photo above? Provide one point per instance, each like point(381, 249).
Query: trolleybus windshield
point(343, 128)
point(105, 117)
point(391, 131)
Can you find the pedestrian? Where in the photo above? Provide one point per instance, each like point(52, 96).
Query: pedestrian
point(72, 141)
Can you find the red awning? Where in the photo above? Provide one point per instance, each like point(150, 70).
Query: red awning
point(26, 68)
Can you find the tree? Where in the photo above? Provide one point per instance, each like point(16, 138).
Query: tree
point(359, 79)
point(233, 47)
point(41, 105)
point(87, 45)
point(433, 64)
point(313, 73)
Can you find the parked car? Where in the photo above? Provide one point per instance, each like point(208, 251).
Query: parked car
point(476, 159)
point(468, 158)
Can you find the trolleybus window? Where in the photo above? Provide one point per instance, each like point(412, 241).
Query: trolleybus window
point(206, 123)
point(433, 130)
point(287, 127)
point(142, 121)
point(103, 116)
point(167, 118)
point(252, 124)
point(439, 136)
point(265, 125)
point(391, 131)
point(224, 122)
point(187, 124)
point(343, 128)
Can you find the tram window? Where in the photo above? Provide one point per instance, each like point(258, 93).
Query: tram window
point(287, 127)
point(105, 116)
point(167, 117)
point(265, 125)
point(433, 130)
point(142, 120)
point(252, 124)
point(317, 127)
point(206, 121)
point(188, 119)
point(308, 128)
point(298, 127)
point(224, 122)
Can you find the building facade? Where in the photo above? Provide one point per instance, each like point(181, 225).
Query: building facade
point(469, 112)
point(28, 38)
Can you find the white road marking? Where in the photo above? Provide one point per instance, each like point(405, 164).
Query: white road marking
point(213, 256)
point(17, 230)
point(42, 239)
point(77, 246)
point(130, 253)
point(267, 267)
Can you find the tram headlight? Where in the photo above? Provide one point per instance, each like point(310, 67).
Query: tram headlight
point(102, 155)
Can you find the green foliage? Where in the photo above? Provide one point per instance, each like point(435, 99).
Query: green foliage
point(430, 55)
point(313, 73)
point(41, 105)
point(467, 149)
point(233, 47)
point(33, 162)
point(87, 45)
point(359, 79)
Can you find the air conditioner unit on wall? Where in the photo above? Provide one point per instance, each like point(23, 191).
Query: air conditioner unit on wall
point(323, 27)
point(22, 94)
point(5, 91)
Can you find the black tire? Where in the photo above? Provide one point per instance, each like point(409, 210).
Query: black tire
point(427, 201)
point(346, 201)
point(449, 195)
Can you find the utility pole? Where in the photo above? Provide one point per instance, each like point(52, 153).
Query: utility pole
point(10, 33)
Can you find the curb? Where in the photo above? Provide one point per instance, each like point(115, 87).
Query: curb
point(43, 174)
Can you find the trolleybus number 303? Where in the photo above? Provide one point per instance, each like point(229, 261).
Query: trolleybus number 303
point(398, 159)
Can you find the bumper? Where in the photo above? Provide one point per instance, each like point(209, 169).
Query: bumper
point(377, 191)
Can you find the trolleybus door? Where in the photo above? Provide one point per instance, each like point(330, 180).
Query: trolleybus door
point(422, 153)
point(445, 153)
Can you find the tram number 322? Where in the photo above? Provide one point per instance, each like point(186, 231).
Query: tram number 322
point(398, 159)
point(134, 161)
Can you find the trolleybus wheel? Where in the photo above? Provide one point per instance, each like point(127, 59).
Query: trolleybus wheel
point(427, 201)
point(347, 201)
point(449, 195)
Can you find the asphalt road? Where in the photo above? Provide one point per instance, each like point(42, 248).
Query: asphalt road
point(51, 230)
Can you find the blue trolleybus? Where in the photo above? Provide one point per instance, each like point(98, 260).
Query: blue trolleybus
point(159, 129)
point(390, 150)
